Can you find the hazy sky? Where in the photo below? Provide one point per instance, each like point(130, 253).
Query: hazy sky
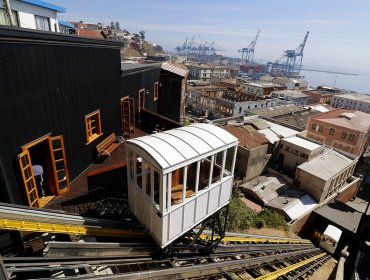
point(339, 29)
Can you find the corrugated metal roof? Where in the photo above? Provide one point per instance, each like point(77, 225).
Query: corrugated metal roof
point(326, 165)
point(175, 68)
point(172, 147)
point(260, 124)
point(248, 139)
point(46, 5)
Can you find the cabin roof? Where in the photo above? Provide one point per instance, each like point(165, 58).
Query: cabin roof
point(173, 147)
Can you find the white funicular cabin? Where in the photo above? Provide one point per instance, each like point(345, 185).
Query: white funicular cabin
point(330, 238)
point(179, 177)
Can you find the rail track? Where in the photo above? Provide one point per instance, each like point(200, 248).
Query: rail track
point(238, 256)
point(139, 261)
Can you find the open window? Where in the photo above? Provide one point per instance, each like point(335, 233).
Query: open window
point(141, 103)
point(127, 116)
point(44, 169)
point(155, 96)
point(93, 126)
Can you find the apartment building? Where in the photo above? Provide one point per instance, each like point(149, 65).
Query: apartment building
point(353, 101)
point(33, 14)
point(324, 175)
point(252, 91)
point(346, 130)
point(290, 97)
point(252, 156)
point(204, 72)
point(296, 150)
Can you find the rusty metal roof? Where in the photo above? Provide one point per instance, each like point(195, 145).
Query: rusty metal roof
point(175, 68)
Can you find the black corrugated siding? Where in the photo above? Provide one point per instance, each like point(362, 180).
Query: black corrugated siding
point(49, 88)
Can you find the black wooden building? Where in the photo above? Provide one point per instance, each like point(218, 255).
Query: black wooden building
point(60, 95)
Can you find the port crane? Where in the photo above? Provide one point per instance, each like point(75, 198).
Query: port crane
point(248, 52)
point(290, 63)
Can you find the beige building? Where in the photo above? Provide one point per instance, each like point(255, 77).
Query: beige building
point(296, 150)
point(324, 175)
point(252, 156)
point(353, 101)
point(346, 130)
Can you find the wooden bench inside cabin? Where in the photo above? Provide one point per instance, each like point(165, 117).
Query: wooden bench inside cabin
point(176, 193)
point(108, 145)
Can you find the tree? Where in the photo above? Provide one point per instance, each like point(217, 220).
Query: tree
point(117, 26)
point(142, 34)
point(112, 25)
point(158, 48)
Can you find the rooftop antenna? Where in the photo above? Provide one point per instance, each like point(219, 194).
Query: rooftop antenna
point(335, 81)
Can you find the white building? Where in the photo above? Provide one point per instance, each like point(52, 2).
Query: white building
point(204, 72)
point(355, 101)
point(33, 14)
point(242, 106)
point(290, 97)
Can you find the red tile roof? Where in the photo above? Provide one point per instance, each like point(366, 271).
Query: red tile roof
point(351, 119)
point(249, 139)
point(92, 33)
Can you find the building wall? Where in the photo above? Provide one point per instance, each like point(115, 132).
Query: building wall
point(27, 14)
point(251, 163)
point(355, 147)
point(358, 105)
point(170, 95)
point(49, 86)
point(197, 72)
point(242, 106)
point(320, 189)
point(310, 183)
point(295, 155)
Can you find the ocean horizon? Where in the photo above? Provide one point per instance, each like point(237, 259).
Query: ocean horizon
point(359, 83)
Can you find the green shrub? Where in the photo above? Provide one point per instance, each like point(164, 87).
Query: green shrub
point(241, 217)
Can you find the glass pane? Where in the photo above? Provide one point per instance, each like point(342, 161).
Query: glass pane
point(217, 168)
point(229, 159)
point(148, 182)
point(157, 184)
point(139, 170)
point(191, 179)
point(177, 185)
point(131, 163)
point(204, 172)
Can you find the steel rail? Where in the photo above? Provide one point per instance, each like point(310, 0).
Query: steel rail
point(310, 267)
point(213, 267)
point(34, 226)
point(285, 270)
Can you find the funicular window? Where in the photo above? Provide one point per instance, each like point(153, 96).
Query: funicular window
point(204, 172)
point(177, 185)
point(229, 162)
point(191, 178)
point(139, 170)
point(157, 184)
point(147, 178)
point(131, 163)
point(217, 167)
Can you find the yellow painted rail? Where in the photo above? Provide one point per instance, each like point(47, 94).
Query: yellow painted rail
point(22, 225)
point(285, 270)
point(245, 239)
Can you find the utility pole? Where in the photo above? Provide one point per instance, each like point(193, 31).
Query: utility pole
point(9, 12)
